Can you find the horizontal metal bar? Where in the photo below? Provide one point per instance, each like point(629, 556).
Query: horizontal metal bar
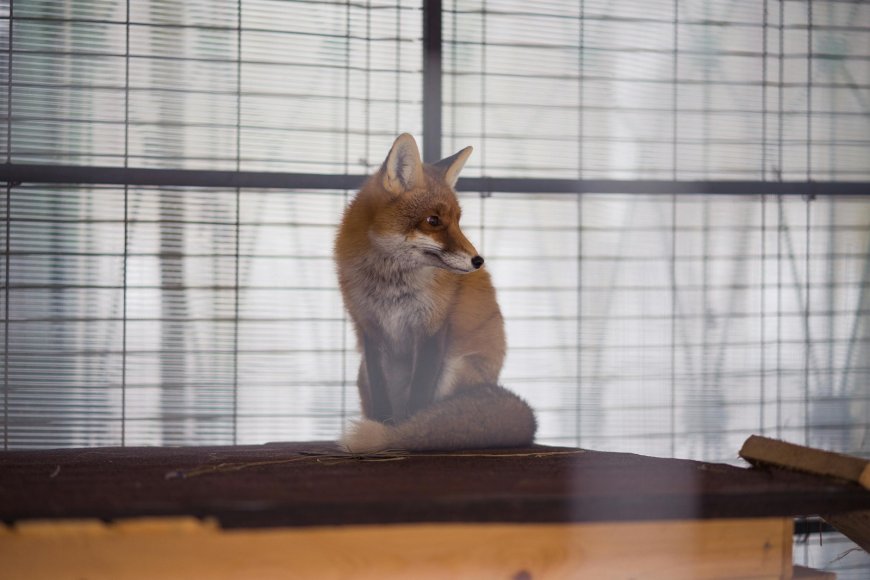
point(21, 258)
point(26, 173)
point(18, 173)
point(684, 288)
point(75, 220)
point(45, 352)
point(652, 186)
point(587, 318)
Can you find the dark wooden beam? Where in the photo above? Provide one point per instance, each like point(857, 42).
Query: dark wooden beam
point(432, 80)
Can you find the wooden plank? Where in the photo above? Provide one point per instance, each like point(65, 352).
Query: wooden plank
point(188, 548)
point(853, 525)
point(313, 484)
point(762, 450)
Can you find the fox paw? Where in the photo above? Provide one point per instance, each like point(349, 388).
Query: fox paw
point(365, 436)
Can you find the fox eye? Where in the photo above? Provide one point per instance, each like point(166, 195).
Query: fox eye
point(433, 220)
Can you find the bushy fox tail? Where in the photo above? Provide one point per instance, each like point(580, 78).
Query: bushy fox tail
point(476, 418)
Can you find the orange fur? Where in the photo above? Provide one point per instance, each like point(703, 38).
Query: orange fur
point(425, 314)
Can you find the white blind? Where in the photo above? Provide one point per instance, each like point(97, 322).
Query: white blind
point(227, 84)
point(679, 326)
point(171, 315)
point(662, 89)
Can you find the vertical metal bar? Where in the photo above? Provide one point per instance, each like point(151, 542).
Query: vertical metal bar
point(764, 92)
point(806, 317)
point(779, 224)
point(827, 383)
point(780, 93)
point(398, 65)
point(454, 97)
point(238, 227)
point(831, 275)
point(809, 91)
point(483, 194)
point(710, 386)
point(368, 92)
point(8, 235)
point(483, 45)
point(126, 228)
point(9, 87)
point(808, 201)
point(483, 101)
point(578, 416)
point(346, 195)
point(762, 305)
point(673, 273)
point(581, 65)
point(432, 38)
point(6, 312)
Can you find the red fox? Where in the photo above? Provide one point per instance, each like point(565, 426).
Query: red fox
point(426, 318)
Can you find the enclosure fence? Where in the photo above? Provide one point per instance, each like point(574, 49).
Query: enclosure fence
point(673, 198)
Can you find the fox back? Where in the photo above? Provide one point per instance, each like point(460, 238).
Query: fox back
point(425, 312)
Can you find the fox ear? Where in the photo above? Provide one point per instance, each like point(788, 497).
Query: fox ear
point(451, 166)
point(403, 168)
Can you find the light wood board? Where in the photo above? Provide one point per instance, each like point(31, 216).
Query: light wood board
point(776, 453)
point(188, 548)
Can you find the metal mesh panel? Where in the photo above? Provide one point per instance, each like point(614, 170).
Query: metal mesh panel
point(167, 278)
point(671, 323)
point(659, 90)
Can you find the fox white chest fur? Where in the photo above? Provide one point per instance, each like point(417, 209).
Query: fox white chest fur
point(392, 293)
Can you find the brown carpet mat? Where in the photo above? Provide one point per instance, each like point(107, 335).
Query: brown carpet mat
point(296, 484)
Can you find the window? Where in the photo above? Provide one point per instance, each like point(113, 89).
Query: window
point(672, 198)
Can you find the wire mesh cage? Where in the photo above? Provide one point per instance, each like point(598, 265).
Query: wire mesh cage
point(664, 192)
point(673, 198)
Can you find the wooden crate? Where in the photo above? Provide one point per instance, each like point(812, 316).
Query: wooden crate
point(188, 548)
point(306, 510)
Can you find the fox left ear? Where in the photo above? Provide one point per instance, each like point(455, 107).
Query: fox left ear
point(451, 166)
point(403, 168)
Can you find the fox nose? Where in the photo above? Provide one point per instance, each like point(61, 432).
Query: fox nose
point(477, 262)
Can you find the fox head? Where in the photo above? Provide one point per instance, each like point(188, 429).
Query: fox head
point(416, 213)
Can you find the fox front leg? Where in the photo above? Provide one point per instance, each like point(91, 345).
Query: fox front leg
point(427, 366)
point(373, 384)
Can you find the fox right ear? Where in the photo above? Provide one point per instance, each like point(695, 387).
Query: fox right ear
point(451, 166)
point(403, 168)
